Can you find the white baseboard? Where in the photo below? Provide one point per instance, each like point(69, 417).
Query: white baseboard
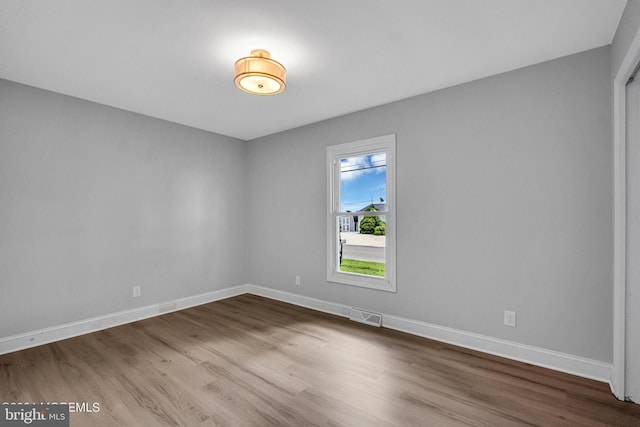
point(576, 365)
point(74, 329)
point(300, 300)
point(538, 356)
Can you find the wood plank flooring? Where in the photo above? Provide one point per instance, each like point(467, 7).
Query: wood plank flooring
point(251, 361)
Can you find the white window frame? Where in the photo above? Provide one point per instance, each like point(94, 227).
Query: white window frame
point(382, 144)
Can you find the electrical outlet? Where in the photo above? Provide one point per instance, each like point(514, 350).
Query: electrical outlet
point(510, 318)
point(298, 280)
point(137, 291)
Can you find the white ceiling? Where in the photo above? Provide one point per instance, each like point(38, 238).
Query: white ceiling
point(173, 59)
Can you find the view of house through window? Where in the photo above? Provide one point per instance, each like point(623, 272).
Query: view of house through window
point(362, 233)
point(361, 227)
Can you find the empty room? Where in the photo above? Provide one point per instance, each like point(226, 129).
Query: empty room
point(331, 213)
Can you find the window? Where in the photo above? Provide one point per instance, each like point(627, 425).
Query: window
point(345, 223)
point(361, 227)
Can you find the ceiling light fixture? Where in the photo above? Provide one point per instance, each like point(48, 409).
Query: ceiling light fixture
point(259, 74)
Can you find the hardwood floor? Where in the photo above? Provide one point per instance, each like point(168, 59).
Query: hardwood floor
point(250, 361)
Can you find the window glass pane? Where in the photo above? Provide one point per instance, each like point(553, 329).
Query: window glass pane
point(361, 251)
point(363, 183)
point(361, 213)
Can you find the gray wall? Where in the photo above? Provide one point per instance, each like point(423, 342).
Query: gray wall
point(504, 196)
point(504, 202)
point(95, 200)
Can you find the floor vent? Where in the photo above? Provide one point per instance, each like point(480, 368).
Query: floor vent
point(373, 319)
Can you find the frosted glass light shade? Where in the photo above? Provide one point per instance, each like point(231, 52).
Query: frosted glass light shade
point(259, 74)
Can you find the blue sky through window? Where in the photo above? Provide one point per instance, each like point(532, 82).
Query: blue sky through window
point(363, 180)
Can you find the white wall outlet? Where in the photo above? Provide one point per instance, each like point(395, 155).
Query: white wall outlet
point(510, 318)
point(298, 280)
point(137, 291)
